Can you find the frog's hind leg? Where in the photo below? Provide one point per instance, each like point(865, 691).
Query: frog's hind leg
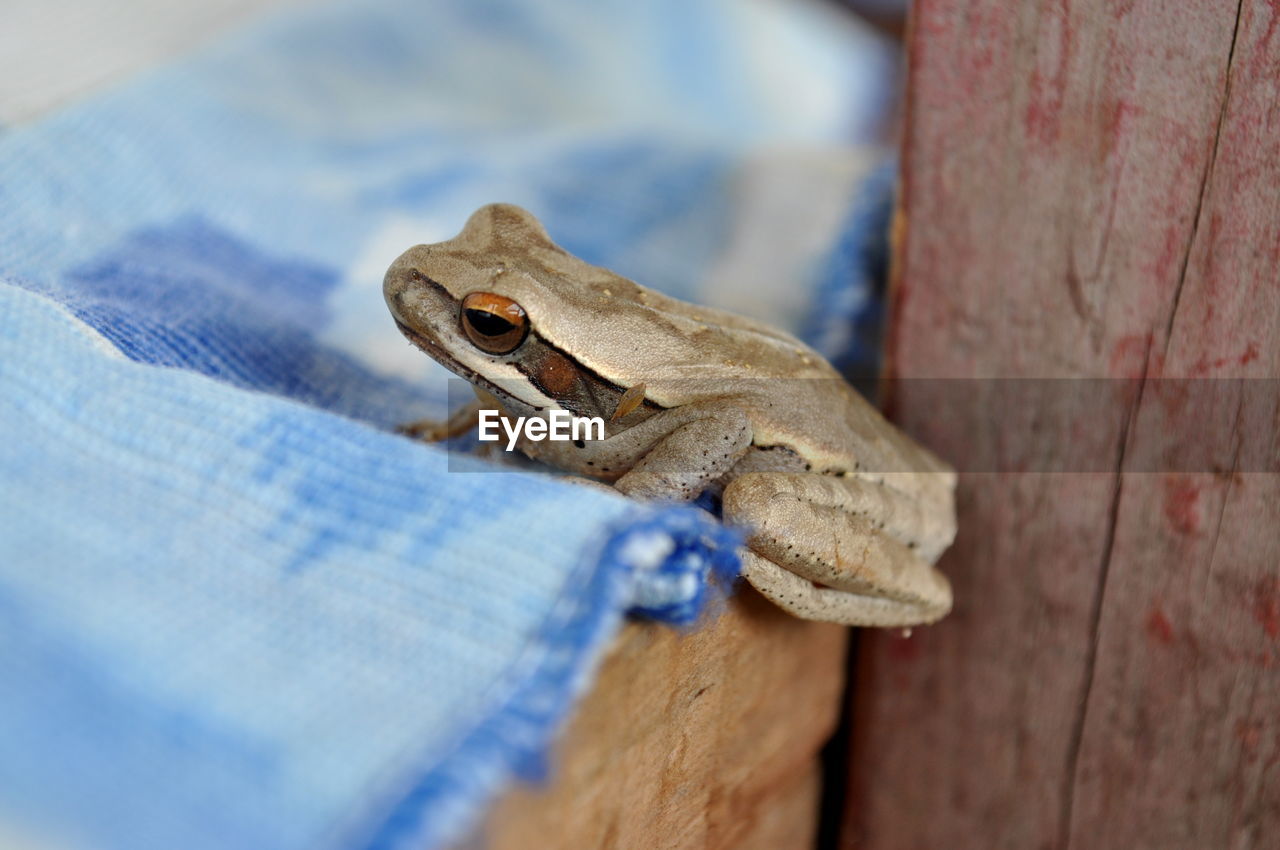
point(846, 550)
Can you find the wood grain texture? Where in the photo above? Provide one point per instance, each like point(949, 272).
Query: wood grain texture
point(1090, 189)
point(703, 740)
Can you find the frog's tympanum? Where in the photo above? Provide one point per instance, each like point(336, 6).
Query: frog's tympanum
point(846, 514)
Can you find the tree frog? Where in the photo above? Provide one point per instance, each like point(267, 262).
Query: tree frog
point(846, 515)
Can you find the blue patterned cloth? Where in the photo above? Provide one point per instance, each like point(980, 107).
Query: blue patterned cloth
point(235, 610)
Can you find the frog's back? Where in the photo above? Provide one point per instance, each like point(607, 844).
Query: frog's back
point(627, 334)
point(686, 353)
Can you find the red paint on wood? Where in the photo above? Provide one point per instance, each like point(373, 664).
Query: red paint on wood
point(1159, 628)
point(1249, 733)
point(1130, 356)
point(1182, 504)
point(1266, 607)
point(904, 650)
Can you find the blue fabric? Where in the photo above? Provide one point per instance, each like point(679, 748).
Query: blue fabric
point(235, 610)
point(676, 565)
point(847, 315)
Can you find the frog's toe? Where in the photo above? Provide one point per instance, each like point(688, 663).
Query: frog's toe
point(802, 598)
point(427, 430)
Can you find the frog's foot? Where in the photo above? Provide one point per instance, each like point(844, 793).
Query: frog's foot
point(427, 430)
point(844, 550)
point(590, 484)
point(459, 422)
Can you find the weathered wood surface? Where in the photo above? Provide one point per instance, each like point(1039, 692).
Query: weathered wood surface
point(706, 741)
point(1090, 189)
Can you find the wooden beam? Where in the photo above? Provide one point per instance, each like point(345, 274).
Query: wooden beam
point(1090, 190)
point(706, 741)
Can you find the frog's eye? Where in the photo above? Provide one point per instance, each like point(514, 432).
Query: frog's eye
point(494, 323)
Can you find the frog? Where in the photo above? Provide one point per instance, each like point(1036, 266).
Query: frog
point(846, 516)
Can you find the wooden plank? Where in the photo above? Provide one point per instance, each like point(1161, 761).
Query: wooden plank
point(1090, 190)
point(703, 740)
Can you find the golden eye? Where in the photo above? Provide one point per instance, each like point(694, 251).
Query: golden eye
point(494, 323)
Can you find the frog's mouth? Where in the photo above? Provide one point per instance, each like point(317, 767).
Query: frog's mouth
point(441, 355)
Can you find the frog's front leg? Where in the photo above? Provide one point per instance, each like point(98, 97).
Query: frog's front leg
point(844, 549)
point(674, 454)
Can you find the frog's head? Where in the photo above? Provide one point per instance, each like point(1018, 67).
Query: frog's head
point(504, 307)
